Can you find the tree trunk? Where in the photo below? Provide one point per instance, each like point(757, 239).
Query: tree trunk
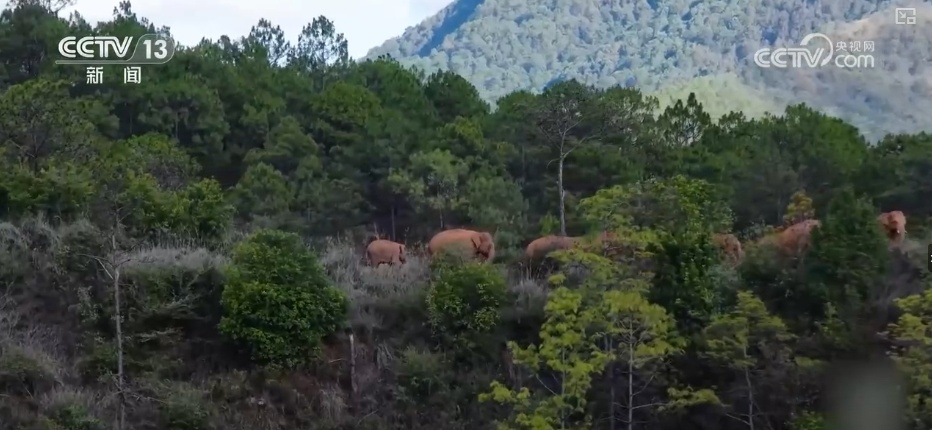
point(354, 389)
point(119, 340)
point(394, 233)
point(611, 404)
point(747, 380)
point(611, 384)
point(630, 385)
point(562, 197)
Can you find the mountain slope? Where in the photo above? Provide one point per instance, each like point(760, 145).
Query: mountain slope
point(504, 45)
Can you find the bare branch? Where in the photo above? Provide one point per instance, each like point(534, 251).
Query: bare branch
point(545, 385)
point(647, 405)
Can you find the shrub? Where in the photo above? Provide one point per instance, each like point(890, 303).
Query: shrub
point(278, 301)
point(23, 372)
point(72, 417)
point(807, 421)
point(183, 410)
point(465, 300)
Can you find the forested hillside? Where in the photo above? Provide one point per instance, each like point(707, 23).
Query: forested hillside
point(671, 45)
point(187, 253)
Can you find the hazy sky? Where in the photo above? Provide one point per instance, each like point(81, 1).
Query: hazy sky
point(366, 23)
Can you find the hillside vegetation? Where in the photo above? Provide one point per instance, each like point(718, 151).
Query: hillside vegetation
point(503, 45)
point(187, 252)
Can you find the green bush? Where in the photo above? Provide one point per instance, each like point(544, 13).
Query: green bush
point(421, 374)
point(278, 301)
point(184, 415)
point(72, 417)
point(807, 421)
point(465, 300)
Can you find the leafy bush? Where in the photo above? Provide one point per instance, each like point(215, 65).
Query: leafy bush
point(465, 300)
point(73, 417)
point(807, 421)
point(278, 301)
point(184, 412)
point(421, 374)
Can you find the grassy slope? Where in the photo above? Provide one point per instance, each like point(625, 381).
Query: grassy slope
point(721, 94)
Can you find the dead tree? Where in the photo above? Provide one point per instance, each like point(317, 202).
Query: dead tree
point(569, 115)
point(112, 265)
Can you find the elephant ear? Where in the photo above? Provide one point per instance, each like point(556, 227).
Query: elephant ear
point(477, 240)
point(884, 219)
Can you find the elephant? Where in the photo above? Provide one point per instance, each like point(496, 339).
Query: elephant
point(480, 243)
point(894, 225)
point(730, 246)
point(540, 247)
point(795, 238)
point(381, 251)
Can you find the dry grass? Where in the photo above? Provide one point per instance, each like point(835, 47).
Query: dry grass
point(379, 294)
point(529, 293)
point(96, 404)
point(31, 357)
point(157, 258)
point(27, 340)
point(375, 292)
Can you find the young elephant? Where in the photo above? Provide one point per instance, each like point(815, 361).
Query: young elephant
point(894, 225)
point(381, 251)
point(480, 243)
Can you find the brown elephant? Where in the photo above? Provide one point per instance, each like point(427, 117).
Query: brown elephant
point(480, 243)
point(795, 238)
point(730, 246)
point(381, 251)
point(540, 247)
point(894, 225)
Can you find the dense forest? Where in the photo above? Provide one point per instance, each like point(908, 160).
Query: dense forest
point(673, 47)
point(187, 252)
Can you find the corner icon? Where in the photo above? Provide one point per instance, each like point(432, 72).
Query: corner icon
point(905, 16)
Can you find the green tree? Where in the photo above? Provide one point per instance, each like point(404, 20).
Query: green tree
point(911, 335)
point(640, 338)
point(799, 209)
point(756, 348)
point(563, 114)
point(677, 217)
point(464, 303)
point(263, 191)
point(432, 182)
point(846, 263)
point(566, 361)
point(452, 96)
point(278, 301)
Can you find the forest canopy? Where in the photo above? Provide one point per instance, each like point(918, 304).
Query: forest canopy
point(189, 252)
point(671, 48)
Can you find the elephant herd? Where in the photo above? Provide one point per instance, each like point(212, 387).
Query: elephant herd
point(789, 241)
point(477, 243)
